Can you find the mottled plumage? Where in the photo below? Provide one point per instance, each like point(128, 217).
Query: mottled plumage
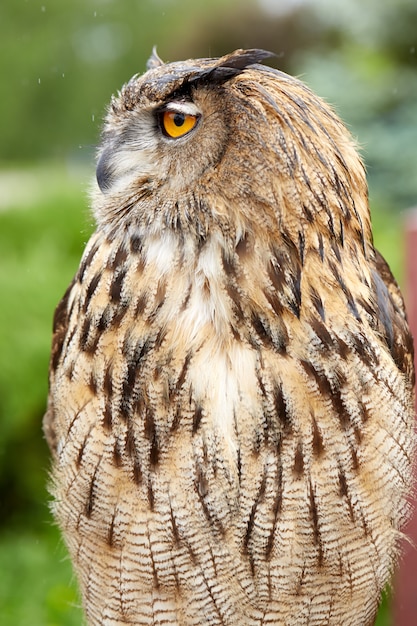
point(231, 382)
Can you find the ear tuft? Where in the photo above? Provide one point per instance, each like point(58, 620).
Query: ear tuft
point(230, 65)
point(240, 59)
point(154, 60)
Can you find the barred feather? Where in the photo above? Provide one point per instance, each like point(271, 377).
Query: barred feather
point(231, 386)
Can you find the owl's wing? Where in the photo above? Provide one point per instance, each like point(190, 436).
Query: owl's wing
point(60, 328)
point(392, 319)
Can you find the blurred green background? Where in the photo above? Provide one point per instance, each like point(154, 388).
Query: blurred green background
point(60, 61)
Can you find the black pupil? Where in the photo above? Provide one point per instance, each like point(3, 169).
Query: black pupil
point(179, 119)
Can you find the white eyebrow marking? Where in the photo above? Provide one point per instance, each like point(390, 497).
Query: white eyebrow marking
point(188, 108)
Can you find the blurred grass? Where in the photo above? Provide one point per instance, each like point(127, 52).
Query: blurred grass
point(44, 225)
point(36, 586)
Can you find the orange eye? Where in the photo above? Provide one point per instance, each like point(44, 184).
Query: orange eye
point(177, 124)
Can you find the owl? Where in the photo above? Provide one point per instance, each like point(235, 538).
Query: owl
point(230, 411)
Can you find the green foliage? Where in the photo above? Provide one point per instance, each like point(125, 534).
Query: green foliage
point(37, 585)
point(40, 246)
point(61, 60)
point(384, 613)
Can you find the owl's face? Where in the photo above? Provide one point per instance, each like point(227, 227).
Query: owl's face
point(161, 136)
point(225, 143)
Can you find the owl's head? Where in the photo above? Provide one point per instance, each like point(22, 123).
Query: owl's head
point(226, 144)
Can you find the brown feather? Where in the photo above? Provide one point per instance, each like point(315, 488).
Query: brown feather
point(231, 387)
